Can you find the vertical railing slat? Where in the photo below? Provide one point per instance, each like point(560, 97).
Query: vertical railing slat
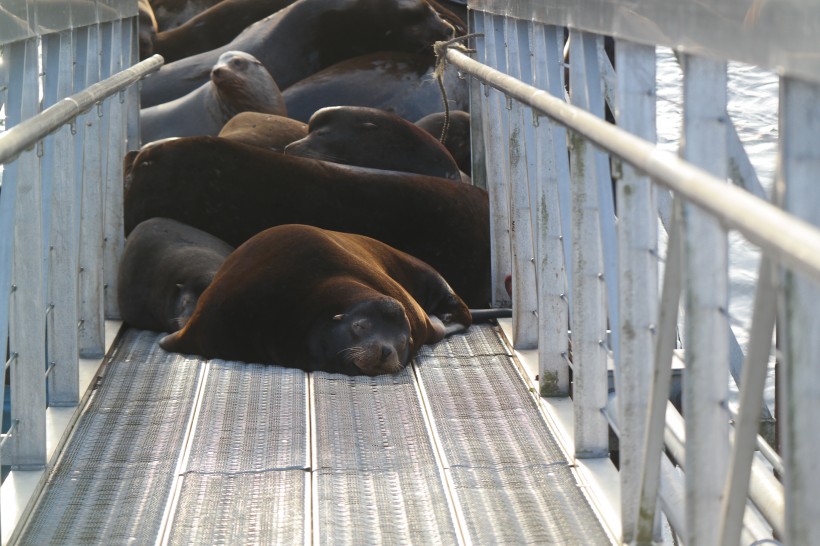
point(588, 310)
point(497, 177)
point(478, 159)
point(92, 334)
point(63, 348)
point(27, 324)
point(552, 164)
point(113, 234)
point(797, 184)
point(638, 273)
point(525, 320)
point(706, 270)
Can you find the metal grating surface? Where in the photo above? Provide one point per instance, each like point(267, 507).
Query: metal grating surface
point(253, 418)
point(245, 508)
point(377, 479)
point(513, 483)
point(244, 482)
point(112, 482)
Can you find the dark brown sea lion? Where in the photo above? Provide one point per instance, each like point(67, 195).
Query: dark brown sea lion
point(369, 137)
point(214, 27)
point(458, 135)
point(164, 268)
point(398, 82)
point(238, 83)
point(147, 29)
point(264, 130)
point(304, 297)
point(172, 13)
point(307, 36)
point(234, 191)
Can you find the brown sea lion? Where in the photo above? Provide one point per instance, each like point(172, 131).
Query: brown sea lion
point(172, 13)
point(234, 191)
point(307, 36)
point(304, 297)
point(457, 141)
point(369, 137)
point(165, 266)
point(265, 130)
point(214, 27)
point(147, 33)
point(238, 83)
point(401, 83)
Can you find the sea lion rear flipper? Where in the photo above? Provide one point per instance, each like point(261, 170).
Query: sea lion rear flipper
point(170, 342)
point(443, 329)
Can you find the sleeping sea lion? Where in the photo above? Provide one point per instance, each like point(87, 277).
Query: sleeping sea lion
point(318, 300)
point(264, 130)
point(214, 27)
point(369, 137)
point(307, 36)
point(164, 268)
point(234, 191)
point(172, 13)
point(238, 83)
point(457, 140)
point(398, 82)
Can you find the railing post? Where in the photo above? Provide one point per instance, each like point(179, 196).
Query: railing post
point(497, 176)
point(63, 348)
point(588, 309)
point(525, 320)
point(92, 333)
point(552, 170)
point(800, 343)
point(113, 234)
point(706, 267)
point(27, 325)
point(478, 173)
point(638, 273)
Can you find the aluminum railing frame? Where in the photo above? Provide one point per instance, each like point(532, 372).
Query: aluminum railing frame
point(784, 239)
point(62, 191)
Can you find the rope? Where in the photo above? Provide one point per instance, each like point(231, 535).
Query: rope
point(440, 49)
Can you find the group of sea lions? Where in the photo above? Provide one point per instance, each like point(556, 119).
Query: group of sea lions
point(342, 244)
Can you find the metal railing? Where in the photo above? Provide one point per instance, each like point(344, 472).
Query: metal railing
point(67, 76)
point(549, 159)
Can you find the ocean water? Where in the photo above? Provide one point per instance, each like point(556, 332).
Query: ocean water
point(752, 106)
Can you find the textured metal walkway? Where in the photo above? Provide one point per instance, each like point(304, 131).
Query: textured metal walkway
point(186, 451)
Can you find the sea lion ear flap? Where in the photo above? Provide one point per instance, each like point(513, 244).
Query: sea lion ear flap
point(338, 317)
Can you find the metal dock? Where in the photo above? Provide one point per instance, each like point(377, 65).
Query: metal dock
point(618, 251)
point(453, 450)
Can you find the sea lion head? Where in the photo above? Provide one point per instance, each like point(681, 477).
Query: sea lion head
point(371, 337)
point(243, 84)
point(421, 23)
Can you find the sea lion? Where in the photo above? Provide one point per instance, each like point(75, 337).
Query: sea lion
point(214, 27)
point(165, 266)
point(369, 137)
point(172, 13)
point(234, 190)
point(304, 297)
point(457, 140)
point(238, 83)
point(147, 33)
point(398, 82)
point(265, 130)
point(307, 36)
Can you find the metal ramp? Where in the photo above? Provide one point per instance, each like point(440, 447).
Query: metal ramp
point(185, 451)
